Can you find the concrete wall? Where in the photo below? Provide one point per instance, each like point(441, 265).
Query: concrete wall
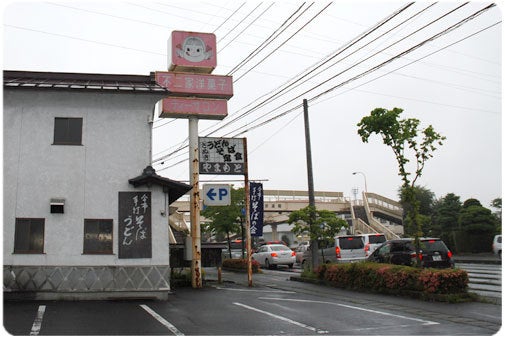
point(115, 147)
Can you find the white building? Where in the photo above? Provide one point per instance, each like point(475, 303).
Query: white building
point(84, 213)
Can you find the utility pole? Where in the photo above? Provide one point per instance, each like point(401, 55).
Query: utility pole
point(310, 178)
point(247, 215)
point(196, 250)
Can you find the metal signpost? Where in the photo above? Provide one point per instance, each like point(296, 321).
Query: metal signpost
point(228, 156)
point(194, 94)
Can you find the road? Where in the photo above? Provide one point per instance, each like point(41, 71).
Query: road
point(484, 279)
point(273, 306)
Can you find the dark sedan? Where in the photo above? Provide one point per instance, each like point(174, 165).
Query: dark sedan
point(433, 253)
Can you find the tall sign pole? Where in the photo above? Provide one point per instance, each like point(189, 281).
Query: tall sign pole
point(196, 250)
point(310, 179)
point(194, 93)
point(247, 215)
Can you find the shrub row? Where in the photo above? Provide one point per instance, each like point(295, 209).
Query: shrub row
point(240, 264)
point(386, 277)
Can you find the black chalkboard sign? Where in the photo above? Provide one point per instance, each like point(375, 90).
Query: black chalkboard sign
point(134, 239)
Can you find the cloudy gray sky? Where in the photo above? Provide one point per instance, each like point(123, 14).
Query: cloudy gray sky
point(440, 62)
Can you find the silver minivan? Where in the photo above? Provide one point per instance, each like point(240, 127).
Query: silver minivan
point(342, 249)
point(372, 242)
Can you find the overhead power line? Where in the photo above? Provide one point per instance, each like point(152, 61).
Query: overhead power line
point(85, 40)
point(365, 59)
point(239, 23)
point(265, 42)
point(446, 31)
point(108, 15)
point(245, 28)
point(352, 42)
point(315, 66)
point(284, 42)
point(296, 80)
point(228, 18)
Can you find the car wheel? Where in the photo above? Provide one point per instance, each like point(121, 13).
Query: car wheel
point(290, 266)
point(267, 264)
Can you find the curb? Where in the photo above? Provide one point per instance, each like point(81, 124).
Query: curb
point(477, 261)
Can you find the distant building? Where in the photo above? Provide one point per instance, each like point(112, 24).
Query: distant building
point(85, 215)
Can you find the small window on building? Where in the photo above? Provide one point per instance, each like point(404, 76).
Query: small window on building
point(97, 236)
point(57, 206)
point(67, 130)
point(29, 236)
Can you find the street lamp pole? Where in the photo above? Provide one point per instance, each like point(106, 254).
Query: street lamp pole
point(359, 172)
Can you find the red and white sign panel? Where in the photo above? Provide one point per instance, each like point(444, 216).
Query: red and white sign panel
point(184, 107)
point(192, 52)
point(204, 85)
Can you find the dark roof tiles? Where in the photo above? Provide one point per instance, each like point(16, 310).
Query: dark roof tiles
point(81, 81)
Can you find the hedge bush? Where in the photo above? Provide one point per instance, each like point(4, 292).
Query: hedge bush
point(386, 277)
point(240, 264)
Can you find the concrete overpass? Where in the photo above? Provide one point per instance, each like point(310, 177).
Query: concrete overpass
point(374, 213)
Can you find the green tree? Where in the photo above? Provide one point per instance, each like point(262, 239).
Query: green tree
point(426, 200)
point(324, 227)
point(475, 219)
point(472, 202)
point(446, 219)
point(226, 220)
point(407, 142)
point(478, 225)
point(496, 203)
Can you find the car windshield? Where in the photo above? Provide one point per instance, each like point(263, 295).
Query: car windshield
point(374, 239)
point(279, 248)
point(433, 245)
point(351, 243)
point(236, 245)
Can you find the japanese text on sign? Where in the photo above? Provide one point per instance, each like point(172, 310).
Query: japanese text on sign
point(218, 86)
point(134, 225)
point(256, 212)
point(222, 156)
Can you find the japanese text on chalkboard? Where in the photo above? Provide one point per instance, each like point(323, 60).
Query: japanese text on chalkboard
point(134, 224)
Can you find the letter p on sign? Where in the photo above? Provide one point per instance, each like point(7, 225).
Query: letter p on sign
point(216, 194)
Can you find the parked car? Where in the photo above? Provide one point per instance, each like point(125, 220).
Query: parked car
point(372, 242)
point(271, 255)
point(299, 251)
point(341, 249)
point(497, 245)
point(236, 250)
point(260, 244)
point(433, 253)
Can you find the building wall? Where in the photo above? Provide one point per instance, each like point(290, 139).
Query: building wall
point(116, 146)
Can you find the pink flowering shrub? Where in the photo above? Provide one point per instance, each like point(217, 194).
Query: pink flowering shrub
point(240, 264)
point(443, 281)
point(381, 277)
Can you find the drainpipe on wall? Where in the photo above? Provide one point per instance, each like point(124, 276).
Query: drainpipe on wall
point(150, 121)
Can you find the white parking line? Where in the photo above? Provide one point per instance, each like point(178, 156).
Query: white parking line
point(162, 320)
point(254, 290)
point(37, 323)
point(424, 322)
point(305, 326)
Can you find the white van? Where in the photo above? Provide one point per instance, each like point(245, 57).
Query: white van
point(341, 249)
point(372, 242)
point(497, 245)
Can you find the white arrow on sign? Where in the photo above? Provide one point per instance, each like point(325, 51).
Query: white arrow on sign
point(216, 194)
